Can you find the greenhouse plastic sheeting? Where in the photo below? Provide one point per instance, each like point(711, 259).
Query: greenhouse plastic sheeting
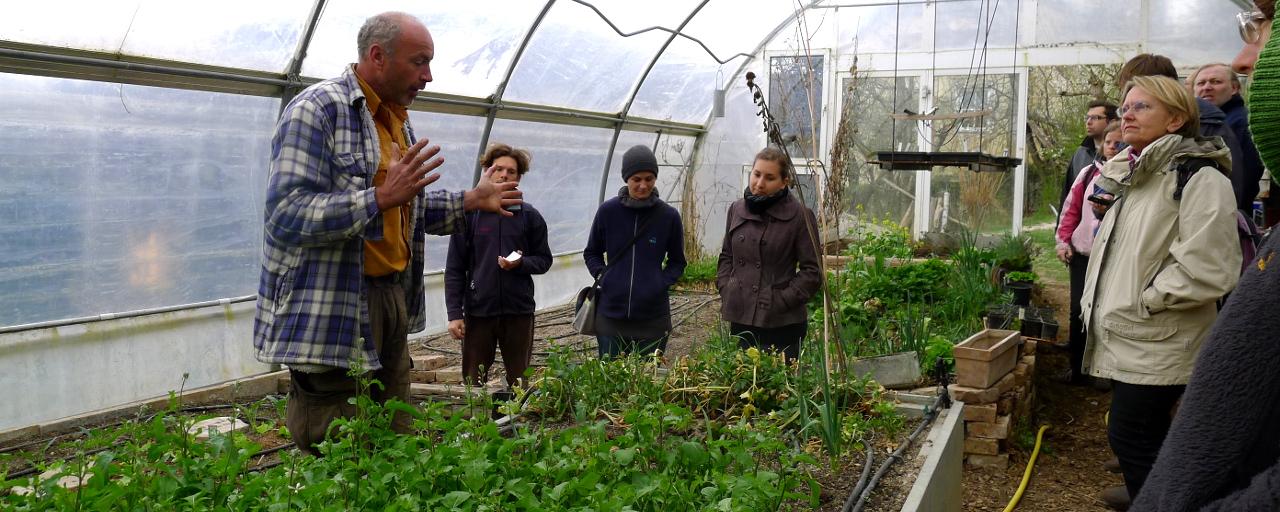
point(120, 197)
point(234, 33)
point(474, 45)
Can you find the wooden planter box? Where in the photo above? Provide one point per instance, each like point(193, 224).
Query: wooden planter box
point(985, 357)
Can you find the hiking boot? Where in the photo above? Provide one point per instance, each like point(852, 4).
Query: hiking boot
point(1112, 465)
point(1116, 497)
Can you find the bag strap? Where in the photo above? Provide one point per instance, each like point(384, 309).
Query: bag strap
point(639, 231)
point(1188, 168)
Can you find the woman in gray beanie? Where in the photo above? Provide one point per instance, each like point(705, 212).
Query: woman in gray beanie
point(633, 234)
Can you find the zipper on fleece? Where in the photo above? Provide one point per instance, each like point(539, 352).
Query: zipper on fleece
point(631, 284)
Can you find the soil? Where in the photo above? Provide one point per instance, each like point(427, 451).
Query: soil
point(1068, 474)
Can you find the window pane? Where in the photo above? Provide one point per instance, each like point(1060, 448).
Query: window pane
point(1086, 21)
point(795, 96)
point(680, 86)
point(874, 28)
point(563, 182)
point(876, 194)
point(459, 141)
point(963, 25)
point(235, 33)
point(575, 60)
point(116, 199)
point(1194, 32)
point(991, 133)
point(474, 47)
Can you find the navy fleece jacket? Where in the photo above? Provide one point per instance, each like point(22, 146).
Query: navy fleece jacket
point(635, 288)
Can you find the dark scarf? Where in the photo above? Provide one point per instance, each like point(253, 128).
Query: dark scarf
point(760, 204)
point(625, 198)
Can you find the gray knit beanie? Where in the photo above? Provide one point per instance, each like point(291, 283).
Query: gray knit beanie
point(638, 159)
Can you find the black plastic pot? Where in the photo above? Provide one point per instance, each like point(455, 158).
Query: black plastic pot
point(1021, 292)
point(1032, 326)
point(999, 317)
point(1049, 330)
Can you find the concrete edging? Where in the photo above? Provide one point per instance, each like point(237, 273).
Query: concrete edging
point(938, 485)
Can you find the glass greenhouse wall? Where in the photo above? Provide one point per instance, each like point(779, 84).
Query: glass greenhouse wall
point(135, 141)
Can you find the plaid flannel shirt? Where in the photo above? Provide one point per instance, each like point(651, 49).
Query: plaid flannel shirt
point(312, 302)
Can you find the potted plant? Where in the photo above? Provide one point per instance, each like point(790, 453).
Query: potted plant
point(1020, 283)
point(1001, 316)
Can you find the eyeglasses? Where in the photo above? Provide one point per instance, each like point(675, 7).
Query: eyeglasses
point(1094, 117)
point(1250, 25)
point(1137, 107)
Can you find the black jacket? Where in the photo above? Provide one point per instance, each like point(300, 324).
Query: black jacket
point(1213, 123)
point(474, 284)
point(1245, 176)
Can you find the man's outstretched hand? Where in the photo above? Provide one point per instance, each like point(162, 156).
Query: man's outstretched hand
point(492, 197)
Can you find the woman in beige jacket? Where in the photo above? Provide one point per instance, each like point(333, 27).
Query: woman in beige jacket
point(1160, 262)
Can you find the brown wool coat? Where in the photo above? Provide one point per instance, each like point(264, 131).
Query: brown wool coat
point(768, 265)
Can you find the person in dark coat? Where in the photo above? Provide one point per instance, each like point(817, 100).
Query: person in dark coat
point(1222, 452)
point(633, 314)
point(768, 267)
point(489, 297)
point(1218, 84)
point(1096, 119)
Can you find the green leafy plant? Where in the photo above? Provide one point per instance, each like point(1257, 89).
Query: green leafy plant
point(702, 271)
point(1021, 277)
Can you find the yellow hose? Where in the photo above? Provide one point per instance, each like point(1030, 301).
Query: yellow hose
point(1026, 475)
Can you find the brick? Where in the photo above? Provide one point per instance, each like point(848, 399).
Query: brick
point(1006, 383)
point(1020, 375)
point(981, 446)
point(999, 462)
point(449, 374)
point(998, 429)
point(1028, 346)
point(426, 363)
point(221, 425)
point(1030, 361)
point(980, 412)
point(1005, 404)
point(417, 390)
point(970, 395)
point(422, 377)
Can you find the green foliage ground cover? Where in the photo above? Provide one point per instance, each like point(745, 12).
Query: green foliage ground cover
point(725, 429)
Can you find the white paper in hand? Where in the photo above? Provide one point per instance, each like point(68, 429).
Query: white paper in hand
point(514, 256)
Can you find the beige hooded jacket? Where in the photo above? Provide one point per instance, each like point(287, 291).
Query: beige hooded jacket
point(1159, 265)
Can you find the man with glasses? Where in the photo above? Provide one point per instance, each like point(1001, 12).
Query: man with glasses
point(1096, 118)
point(1219, 85)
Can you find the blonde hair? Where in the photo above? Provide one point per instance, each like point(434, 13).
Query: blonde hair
point(1176, 98)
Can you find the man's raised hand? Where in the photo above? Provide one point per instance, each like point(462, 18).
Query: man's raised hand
point(408, 174)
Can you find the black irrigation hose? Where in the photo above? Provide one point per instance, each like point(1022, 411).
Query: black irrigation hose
point(862, 481)
point(897, 454)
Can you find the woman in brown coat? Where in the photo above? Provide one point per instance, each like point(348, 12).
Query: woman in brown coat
point(768, 265)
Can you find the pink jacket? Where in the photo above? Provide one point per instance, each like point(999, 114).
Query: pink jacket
point(1078, 224)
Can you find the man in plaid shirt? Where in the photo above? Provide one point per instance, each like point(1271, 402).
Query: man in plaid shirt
point(347, 215)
